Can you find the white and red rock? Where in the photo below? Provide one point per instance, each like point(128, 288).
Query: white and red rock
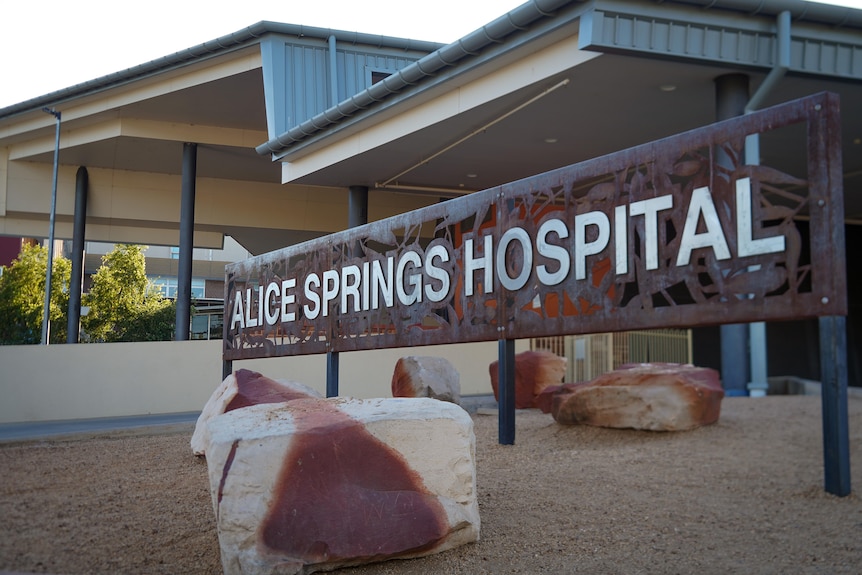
point(241, 389)
point(426, 376)
point(657, 397)
point(534, 371)
point(317, 484)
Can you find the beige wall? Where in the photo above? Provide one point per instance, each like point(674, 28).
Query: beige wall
point(60, 382)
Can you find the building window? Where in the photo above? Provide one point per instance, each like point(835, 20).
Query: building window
point(207, 326)
point(374, 75)
point(168, 287)
point(175, 253)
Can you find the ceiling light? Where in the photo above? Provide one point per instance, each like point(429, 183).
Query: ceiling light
point(550, 140)
point(667, 87)
point(471, 175)
point(857, 141)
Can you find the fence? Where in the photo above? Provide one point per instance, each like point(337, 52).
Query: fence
point(592, 355)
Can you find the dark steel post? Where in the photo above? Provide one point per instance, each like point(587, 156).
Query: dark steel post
point(187, 232)
point(49, 268)
point(357, 206)
point(226, 368)
point(833, 391)
point(506, 391)
point(73, 325)
point(357, 215)
point(731, 97)
point(332, 374)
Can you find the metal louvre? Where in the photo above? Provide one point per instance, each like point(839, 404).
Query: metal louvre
point(728, 41)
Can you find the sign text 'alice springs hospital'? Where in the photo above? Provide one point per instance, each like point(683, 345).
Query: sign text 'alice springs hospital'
point(675, 233)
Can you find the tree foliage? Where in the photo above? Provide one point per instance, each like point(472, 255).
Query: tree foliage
point(22, 297)
point(124, 305)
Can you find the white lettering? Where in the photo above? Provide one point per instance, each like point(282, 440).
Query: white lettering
point(621, 240)
point(381, 282)
point(311, 295)
point(271, 311)
point(554, 252)
point(330, 289)
point(650, 209)
point(746, 245)
point(414, 279)
point(237, 315)
point(249, 321)
point(287, 299)
point(436, 273)
point(472, 263)
point(701, 204)
point(350, 279)
point(583, 248)
point(520, 235)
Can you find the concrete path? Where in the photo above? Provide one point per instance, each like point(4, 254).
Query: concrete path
point(10, 432)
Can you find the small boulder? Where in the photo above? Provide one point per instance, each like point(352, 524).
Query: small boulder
point(241, 389)
point(423, 376)
point(318, 484)
point(656, 397)
point(534, 371)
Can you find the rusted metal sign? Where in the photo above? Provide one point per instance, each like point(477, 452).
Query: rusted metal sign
point(675, 233)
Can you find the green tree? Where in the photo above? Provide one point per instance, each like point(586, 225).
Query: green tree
point(22, 297)
point(124, 305)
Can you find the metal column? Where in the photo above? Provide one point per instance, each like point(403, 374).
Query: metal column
point(332, 374)
point(833, 391)
point(357, 215)
point(357, 206)
point(731, 97)
point(506, 391)
point(73, 327)
point(187, 231)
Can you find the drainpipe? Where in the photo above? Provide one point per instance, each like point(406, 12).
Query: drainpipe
point(333, 73)
point(757, 330)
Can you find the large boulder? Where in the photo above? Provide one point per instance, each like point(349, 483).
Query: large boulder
point(657, 397)
point(241, 389)
point(424, 376)
point(318, 484)
point(534, 371)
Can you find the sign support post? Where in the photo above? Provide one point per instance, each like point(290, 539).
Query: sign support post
point(331, 374)
point(506, 391)
point(833, 390)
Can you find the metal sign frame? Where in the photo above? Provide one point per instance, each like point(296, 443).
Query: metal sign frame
point(675, 233)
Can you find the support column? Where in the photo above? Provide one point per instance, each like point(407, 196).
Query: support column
point(73, 327)
point(187, 232)
point(357, 215)
point(357, 206)
point(731, 96)
point(833, 392)
point(506, 391)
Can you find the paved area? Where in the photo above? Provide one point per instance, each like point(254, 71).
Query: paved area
point(10, 432)
point(51, 429)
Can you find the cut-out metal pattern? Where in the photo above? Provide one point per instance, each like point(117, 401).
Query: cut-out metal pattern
point(705, 240)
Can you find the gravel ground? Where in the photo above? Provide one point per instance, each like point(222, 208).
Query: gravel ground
point(742, 496)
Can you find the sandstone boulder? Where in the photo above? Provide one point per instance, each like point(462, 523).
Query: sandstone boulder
point(423, 376)
point(241, 389)
point(657, 397)
point(318, 484)
point(534, 371)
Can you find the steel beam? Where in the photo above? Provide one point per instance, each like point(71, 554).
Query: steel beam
point(506, 391)
point(833, 390)
point(332, 374)
point(73, 327)
point(187, 231)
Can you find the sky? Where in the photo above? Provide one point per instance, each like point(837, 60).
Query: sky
point(53, 44)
